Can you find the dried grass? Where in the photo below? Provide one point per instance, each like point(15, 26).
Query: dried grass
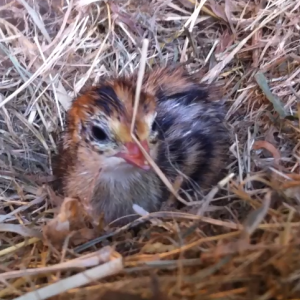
point(245, 248)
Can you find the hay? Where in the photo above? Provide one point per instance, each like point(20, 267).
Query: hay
point(246, 248)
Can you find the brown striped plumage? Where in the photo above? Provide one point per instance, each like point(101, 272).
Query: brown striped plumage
point(177, 123)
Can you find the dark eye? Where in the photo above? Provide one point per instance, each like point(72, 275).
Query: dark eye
point(98, 133)
point(154, 126)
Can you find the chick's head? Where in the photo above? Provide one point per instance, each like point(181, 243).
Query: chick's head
point(100, 120)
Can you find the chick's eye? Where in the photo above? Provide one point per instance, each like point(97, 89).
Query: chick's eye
point(154, 126)
point(98, 134)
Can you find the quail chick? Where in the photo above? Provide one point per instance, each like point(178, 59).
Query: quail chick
point(177, 124)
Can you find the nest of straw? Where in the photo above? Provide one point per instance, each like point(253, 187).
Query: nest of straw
point(245, 249)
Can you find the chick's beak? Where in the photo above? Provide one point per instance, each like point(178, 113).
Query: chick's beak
point(134, 155)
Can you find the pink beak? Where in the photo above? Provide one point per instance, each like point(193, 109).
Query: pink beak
point(135, 156)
